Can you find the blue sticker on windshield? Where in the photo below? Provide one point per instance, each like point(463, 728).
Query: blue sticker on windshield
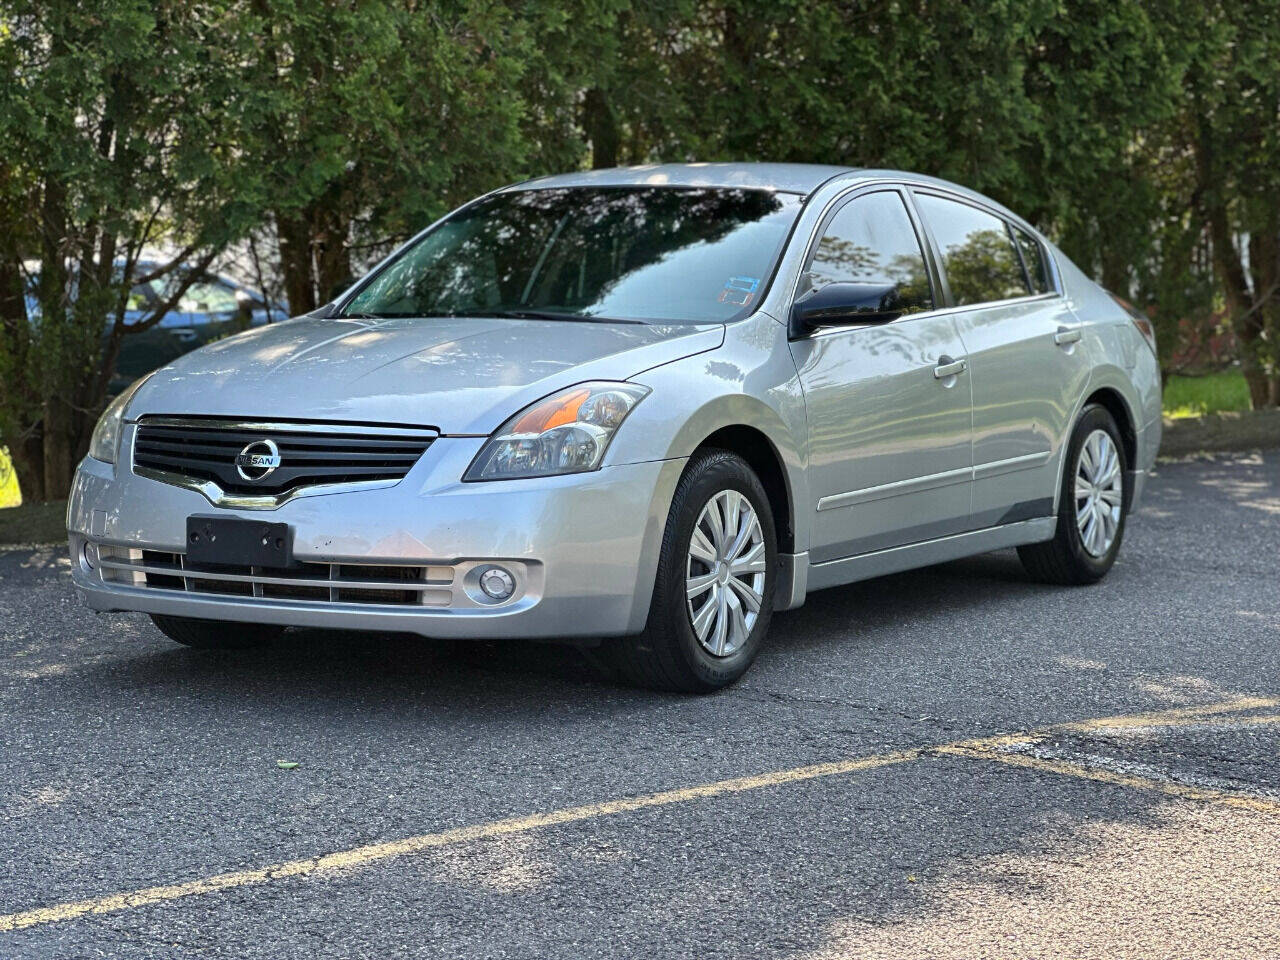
point(739, 291)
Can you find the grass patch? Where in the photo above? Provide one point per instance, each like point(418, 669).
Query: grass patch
point(1213, 393)
point(34, 523)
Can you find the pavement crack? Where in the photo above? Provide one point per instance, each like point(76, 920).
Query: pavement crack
point(942, 724)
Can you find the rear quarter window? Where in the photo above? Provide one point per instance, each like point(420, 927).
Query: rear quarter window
point(1034, 258)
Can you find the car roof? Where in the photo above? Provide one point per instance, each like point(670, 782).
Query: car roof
point(800, 178)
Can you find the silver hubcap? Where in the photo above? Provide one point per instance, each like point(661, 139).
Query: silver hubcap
point(1099, 493)
point(725, 572)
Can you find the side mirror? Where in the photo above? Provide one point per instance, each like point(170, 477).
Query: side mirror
point(844, 304)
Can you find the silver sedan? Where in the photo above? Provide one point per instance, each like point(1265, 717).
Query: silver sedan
point(644, 408)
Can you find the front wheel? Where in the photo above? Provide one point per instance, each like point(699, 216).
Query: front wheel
point(216, 634)
point(1092, 506)
point(713, 597)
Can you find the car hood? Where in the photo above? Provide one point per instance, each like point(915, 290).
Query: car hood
point(462, 375)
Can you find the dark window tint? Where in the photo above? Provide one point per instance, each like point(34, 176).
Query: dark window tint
point(870, 240)
point(1033, 257)
point(643, 253)
point(977, 253)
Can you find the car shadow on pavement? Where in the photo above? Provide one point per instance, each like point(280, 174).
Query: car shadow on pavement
point(861, 611)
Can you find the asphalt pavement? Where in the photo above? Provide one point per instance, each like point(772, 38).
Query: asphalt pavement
point(951, 762)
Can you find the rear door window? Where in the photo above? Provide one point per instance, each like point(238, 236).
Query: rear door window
point(978, 255)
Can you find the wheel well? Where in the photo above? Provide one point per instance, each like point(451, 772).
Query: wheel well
point(755, 448)
point(1119, 410)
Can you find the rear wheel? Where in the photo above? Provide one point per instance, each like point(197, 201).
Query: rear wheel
point(1092, 506)
point(713, 597)
point(216, 634)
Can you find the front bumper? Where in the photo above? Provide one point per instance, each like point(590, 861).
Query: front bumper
point(585, 547)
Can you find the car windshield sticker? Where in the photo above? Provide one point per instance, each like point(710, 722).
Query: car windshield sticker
point(739, 290)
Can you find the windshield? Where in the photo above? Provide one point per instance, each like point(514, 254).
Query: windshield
point(652, 254)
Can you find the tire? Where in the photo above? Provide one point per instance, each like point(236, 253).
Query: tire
point(669, 655)
point(1067, 558)
point(216, 634)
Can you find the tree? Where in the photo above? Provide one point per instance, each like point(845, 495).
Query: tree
point(1104, 78)
point(113, 124)
point(370, 119)
point(1143, 135)
point(1232, 128)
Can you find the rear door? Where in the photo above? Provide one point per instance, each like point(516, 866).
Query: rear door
point(888, 405)
point(1021, 339)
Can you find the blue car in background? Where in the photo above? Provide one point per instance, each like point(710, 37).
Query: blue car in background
point(211, 308)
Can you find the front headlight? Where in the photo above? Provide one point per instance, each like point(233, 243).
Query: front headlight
point(567, 432)
point(106, 435)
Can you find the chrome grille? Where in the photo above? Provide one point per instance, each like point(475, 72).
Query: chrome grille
point(205, 449)
point(395, 585)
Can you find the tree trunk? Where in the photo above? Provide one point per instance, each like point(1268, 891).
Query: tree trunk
point(13, 303)
point(1250, 306)
point(333, 257)
point(601, 128)
point(296, 264)
point(28, 464)
point(1261, 393)
point(58, 448)
point(1115, 276)
point(1264, 269)
point(742, 41)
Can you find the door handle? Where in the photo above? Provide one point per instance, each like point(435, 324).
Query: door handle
point(1066, 335)
point(949, 368)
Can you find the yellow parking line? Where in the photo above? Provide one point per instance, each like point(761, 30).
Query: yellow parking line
point(372, 853)
point(1169, 787)
point(1176, 717)
point(360, 856)
point(1179, 716)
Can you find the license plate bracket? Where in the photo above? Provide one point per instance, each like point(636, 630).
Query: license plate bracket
point(230, 541)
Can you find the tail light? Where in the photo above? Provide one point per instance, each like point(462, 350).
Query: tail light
point(1140, 320)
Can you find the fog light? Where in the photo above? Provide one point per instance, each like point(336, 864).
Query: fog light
point(497, 584)
point(90, 555)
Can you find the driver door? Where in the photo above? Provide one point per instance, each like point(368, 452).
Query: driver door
point(889, 405)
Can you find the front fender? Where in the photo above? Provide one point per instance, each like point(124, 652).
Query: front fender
point(749, 382)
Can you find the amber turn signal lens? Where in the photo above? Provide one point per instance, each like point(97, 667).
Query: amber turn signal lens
point(553, 413)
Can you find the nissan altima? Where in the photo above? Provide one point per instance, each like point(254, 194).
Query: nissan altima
point(644, 408)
